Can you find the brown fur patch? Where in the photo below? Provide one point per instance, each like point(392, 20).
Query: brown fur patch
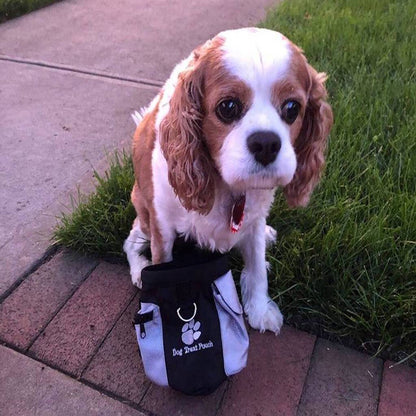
point(219, 87)
point(142, 194)
point(310, 132)
point(295, 87)
point(191, 135)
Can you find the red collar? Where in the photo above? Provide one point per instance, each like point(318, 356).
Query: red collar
point(237, 213)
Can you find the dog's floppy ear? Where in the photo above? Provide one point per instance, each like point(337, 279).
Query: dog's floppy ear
point(310, 145)
point(191, 169)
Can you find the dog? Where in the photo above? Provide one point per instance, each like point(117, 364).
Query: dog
point(243, 115)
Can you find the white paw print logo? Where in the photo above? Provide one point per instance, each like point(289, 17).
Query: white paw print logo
point(190, 332)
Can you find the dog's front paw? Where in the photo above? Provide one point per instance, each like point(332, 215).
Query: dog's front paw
point(136, 271)
point(136, 278)
point(271, 235)
point(264, 316)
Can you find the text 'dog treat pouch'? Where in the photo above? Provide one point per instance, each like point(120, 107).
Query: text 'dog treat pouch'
point(190, 326)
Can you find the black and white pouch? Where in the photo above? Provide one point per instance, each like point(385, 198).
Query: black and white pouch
point(190, 326)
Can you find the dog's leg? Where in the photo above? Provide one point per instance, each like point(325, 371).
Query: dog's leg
point(135, 244)
point(263, 314)
point(162, 247)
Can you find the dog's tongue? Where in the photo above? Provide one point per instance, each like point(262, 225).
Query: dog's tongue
point(237, 213)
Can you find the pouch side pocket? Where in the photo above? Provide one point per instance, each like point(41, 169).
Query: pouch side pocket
point(226, 288)
point(233, 330)
point(149, 332)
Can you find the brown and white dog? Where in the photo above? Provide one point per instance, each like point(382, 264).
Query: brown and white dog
point(242, 115)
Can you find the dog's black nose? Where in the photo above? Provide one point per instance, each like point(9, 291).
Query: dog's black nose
point(265, 146)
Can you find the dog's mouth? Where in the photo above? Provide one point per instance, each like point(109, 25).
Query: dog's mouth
point(259, 183)
point(262, 188)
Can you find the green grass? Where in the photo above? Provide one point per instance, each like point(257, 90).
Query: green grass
point(345, 266)
point(98, 224)
point(10, 9)
point(347, 263)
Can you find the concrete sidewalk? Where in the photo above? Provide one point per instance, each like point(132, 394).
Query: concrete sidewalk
point(73, 73)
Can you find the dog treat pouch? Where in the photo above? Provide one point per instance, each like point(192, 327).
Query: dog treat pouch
point(190, 325)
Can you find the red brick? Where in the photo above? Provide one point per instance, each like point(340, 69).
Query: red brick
point(398, 391)
point(73, 336)
point(341, 381)
point(273, 380)
point(164, 401)
point(117, 366)
point(33, 304)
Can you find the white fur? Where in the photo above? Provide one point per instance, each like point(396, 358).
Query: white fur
point(134, 245)
point(259, 57)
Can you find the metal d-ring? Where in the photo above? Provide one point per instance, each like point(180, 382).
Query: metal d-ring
point(178, 311)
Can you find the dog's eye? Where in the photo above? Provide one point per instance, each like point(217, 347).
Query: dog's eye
point(290, 111)
point(229, 110)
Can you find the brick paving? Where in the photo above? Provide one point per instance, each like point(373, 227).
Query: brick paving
point(72, 337)
point(114, 367)
point(42, 294)
point(84, 329)
point(398, 391)
point(341, 381)
point(275, 375)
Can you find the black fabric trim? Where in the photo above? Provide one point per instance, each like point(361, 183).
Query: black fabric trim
point(194, 266)
point(142, 318)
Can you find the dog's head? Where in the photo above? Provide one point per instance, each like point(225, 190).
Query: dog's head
point(250, 110)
